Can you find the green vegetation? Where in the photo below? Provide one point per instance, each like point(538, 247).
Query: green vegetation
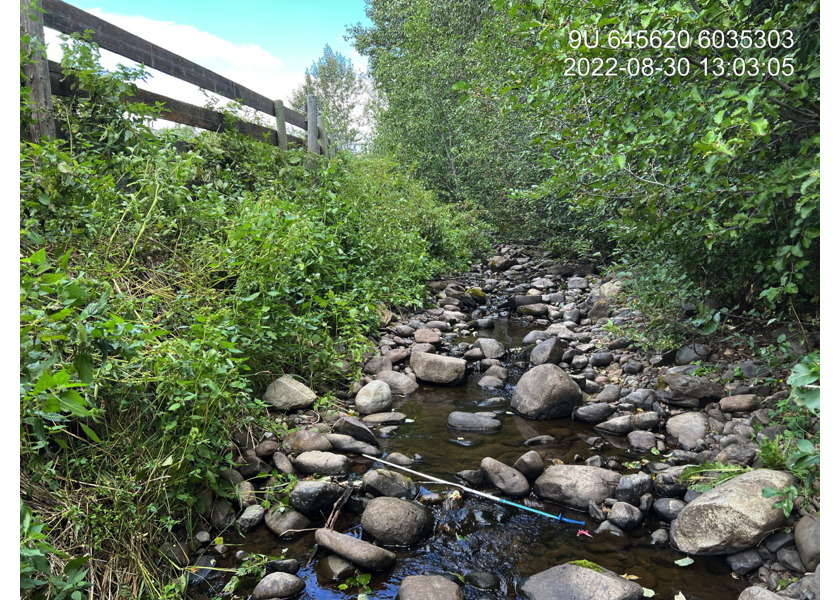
point(702, 184)
point(797, 450)
point(588, 564)
point(339, 89)
point(166, 279)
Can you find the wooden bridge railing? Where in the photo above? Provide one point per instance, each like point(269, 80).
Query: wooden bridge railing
point(46, 79)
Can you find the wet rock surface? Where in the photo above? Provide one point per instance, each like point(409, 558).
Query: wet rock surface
point(611, 427)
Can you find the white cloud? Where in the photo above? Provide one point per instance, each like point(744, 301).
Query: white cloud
point(247, 64)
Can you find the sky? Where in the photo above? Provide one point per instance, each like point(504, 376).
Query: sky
point(265, 46)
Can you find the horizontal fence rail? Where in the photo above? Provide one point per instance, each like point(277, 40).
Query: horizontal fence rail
point(174, 110)
point(68, 19)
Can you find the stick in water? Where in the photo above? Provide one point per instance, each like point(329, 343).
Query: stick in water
point(475, 492)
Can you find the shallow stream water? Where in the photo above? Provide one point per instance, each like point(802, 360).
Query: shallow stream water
point(481, 535)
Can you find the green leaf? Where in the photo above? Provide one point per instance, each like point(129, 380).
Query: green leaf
point(84, 367)
point(90, 433)
point(760, 127)
point(39, 257)
point(684, 562)
point(648, 593)
point(619, 160)
point(70, 401)
point(769, 492)
point(461, 85)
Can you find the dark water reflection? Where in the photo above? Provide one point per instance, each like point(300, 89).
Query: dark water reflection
point(485, 536)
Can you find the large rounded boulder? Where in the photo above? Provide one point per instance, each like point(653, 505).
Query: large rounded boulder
point(578, 582)
point(374, 398)
point(433, 368)
point(733, 516)
point(546, 392)
point(576, 485)
point(396, 522)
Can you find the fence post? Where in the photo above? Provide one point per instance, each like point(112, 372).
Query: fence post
point(37, 72)
point(280, 116)
point(312, 124)
point(322, 136)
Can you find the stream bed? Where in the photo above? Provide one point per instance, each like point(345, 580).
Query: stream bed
point(480, 535)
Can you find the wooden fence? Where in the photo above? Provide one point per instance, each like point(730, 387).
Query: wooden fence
point(46, 79)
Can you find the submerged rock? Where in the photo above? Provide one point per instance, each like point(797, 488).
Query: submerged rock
point(429, 587)
point(463, 421)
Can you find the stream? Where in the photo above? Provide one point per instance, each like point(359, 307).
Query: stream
point(480, 535)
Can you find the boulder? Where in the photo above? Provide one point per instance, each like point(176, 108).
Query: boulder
point(381, 482)
point(807, 534)
point(251, 517)
point(438, 369)
point(463, 421)
point(601, 359)
point(501, 263)
point(733, 516)
point(548, 351)
point(625, 515)
point(375, 397)
point(323, 463)
point(314, 496)
point(490, 383)
point(682, 385)
point(691, 353)
point(688, 428)
point(627, 423)
point(594, 412)
point(490, 347)
point(285, 522)
point(668, 509)
point(641, 441)
point(534, 310)
point(576, 485)
point(356, 429)
point(744, 562)
point(378, 364)
point(397, 522)
point(507, 479)
point(384, 419)
point(759, 593)
point(632, 487)
point(305, 440)
point(357, 551)
point(530, 464)
point(345, 443)
point(742, 403)
point(429, 587)
point(287, 393)
point(573, 582)
point(546, 392)
point(278, 585)
point(400, 384)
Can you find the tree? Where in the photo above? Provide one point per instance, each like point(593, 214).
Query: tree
point(461, 145)
point(712, 160)
point(339, 88)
